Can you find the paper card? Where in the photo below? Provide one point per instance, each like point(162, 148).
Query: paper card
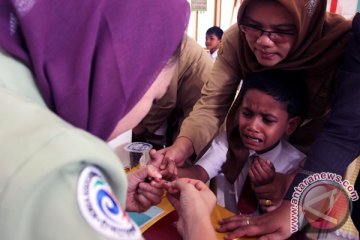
point(143, 218)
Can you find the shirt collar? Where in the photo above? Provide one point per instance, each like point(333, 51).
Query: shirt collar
point(270, 155)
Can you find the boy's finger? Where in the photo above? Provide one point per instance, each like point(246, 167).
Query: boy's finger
point(265, 164)
point(251, 174)
point(156, 157)
point(153, 172)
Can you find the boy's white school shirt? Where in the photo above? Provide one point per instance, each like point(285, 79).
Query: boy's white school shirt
point(214, 55)
point(285, 158)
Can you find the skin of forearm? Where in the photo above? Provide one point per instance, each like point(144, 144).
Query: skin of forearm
point(186, 145)
point(195, 172)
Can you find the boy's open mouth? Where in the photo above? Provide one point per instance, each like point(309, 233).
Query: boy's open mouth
point(253, 139)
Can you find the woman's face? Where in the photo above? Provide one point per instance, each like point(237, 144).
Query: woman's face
point(269, 16)
point(139, 111)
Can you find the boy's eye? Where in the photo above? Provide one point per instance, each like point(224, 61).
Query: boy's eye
point(246, 113)
point(268, 120)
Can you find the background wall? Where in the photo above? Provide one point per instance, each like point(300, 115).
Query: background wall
point(223, 13)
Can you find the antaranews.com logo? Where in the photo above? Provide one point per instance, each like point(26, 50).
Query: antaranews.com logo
point(324, 200)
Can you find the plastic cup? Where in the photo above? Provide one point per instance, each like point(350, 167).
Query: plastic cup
point(138, 151)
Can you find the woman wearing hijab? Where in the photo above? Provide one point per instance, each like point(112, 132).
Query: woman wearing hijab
point(276, 224)
point(98, 68)
point(317, 42)
point(84, 55)
point(297, 36)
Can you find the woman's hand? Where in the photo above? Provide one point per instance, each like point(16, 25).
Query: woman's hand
point(178, 152)
point(271, 195)
point(141, 193)
point(194, 202)
point(167, 169)
point(274, 225)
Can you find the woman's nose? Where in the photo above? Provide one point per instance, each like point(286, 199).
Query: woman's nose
point(264, 41)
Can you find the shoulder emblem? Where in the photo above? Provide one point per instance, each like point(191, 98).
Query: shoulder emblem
point(100, 208)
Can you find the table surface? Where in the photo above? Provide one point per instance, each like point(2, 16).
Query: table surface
point(217, 214)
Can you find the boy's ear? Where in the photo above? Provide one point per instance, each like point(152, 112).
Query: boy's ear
point(293, 123)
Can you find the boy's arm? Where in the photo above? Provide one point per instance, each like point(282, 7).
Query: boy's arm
point(195, 172)
point(209, 165)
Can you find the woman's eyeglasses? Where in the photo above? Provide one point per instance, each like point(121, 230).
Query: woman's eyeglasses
point(275, 36)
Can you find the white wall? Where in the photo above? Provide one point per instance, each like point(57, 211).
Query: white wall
point(228, 14)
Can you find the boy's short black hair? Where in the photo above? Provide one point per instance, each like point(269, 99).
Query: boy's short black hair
point(284, 86)
point(215, 30)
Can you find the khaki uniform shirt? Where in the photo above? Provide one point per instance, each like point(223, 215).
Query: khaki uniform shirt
point(217, 94)
point(192, 71)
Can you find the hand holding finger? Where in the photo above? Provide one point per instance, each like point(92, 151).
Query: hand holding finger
point(167, 156)
point(170, 172)
point(141, 175)
point(174, 200)
point(181, 149)
point(147, 188)
point(153, 172)
point(142, 202)
point(156, 158)
point(195, 195)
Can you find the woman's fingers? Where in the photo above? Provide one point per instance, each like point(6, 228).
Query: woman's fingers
point(259, 225)
point(233, 224)
point(149, 189)
point(174, 200)
point(142, 202)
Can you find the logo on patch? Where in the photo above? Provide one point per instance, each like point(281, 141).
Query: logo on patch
point(100, 208)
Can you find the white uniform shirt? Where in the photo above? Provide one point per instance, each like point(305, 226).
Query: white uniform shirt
point(214, 55)
point(284, 157)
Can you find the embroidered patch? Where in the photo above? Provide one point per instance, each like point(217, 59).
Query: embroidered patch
point(100, 208)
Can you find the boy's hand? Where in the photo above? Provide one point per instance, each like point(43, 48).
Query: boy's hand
point(261, 172)
point(167, 168)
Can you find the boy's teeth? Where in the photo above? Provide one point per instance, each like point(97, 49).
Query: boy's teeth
point(254, 139)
